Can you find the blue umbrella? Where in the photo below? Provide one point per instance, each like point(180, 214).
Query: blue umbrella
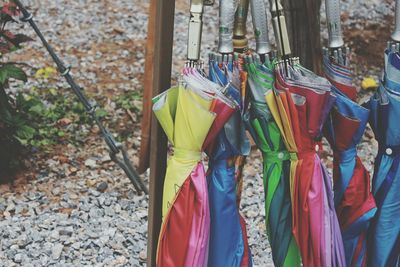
point(384, 234)
point(228, 238)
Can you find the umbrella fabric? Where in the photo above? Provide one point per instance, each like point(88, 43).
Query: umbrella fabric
point(276, 168)
point(384, 233)
point(228, 237)
point(186, 117)
point(354, 202)
point(299, 104)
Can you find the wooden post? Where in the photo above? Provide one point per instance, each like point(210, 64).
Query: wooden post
point(144, 152)
point(160, 42)
point(303, 21)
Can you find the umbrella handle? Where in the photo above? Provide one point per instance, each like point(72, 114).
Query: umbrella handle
point(334, 23)
point(259, 16)
point(227, 9)
point(280, 28)
point(195, 29)
point(239, 29)
point(396, 33)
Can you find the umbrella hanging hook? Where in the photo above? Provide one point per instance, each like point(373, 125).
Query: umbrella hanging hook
point(90, 107)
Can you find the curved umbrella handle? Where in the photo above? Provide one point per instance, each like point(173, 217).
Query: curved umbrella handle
point(280, 28)
point(227, 9)
point(396, 33)
point(195, 29)
point(259, 16)
point(239, 30)
point(334, 24)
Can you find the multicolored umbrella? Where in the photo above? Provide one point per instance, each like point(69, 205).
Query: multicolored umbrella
point(187, 114)
point(354, 202)
point(299, 104)
point(228, 238)
point(276, 166)
point(384, 233)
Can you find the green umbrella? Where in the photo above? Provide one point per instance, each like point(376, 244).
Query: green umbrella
point(276, 167)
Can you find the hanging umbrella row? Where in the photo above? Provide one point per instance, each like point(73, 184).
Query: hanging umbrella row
point(286, 109)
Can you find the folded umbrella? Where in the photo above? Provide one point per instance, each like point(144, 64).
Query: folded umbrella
point(299, 104)
point(276, 166)
point(228, 237)
point(354, 202)
point(384, 233)
point(187, 115)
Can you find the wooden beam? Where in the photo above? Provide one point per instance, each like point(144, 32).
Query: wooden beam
point(303, 21)
point(161, 21)
point(144, 153)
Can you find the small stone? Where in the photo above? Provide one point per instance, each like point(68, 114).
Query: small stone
point(91, 163)
point(56, 251)
point(66, 231)
point(56, 191)
point(18, 258)
point(143, 255)
point(102, 187)
point(54, 235)
point(117, 208)
point(73, 170)
point(76, 245)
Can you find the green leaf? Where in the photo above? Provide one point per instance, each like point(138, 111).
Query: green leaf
point(101, 113)
point(37, 109)
point(21, 141)
point(10, 71)
point(25, 132)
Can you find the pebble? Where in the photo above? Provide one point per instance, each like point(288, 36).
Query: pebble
point(143, 255)
point(101, 187)
point(18, 258)
point(91, 163)
point(56, 251)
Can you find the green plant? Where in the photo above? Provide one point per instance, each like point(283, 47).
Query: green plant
point(12, 124)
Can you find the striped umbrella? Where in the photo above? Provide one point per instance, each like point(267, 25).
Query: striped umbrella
point(228, 239)
point(354, 202)
point(190, 116)
point(299, 104)
point(276, 166)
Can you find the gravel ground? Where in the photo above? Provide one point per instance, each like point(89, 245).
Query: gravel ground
point(79, 209)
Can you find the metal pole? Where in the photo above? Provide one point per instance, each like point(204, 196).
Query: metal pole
point(161, 16)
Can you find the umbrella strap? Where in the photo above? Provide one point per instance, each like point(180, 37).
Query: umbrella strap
point(117, 152)
point(276, 156)
point(187, 154)
point(391, 151)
